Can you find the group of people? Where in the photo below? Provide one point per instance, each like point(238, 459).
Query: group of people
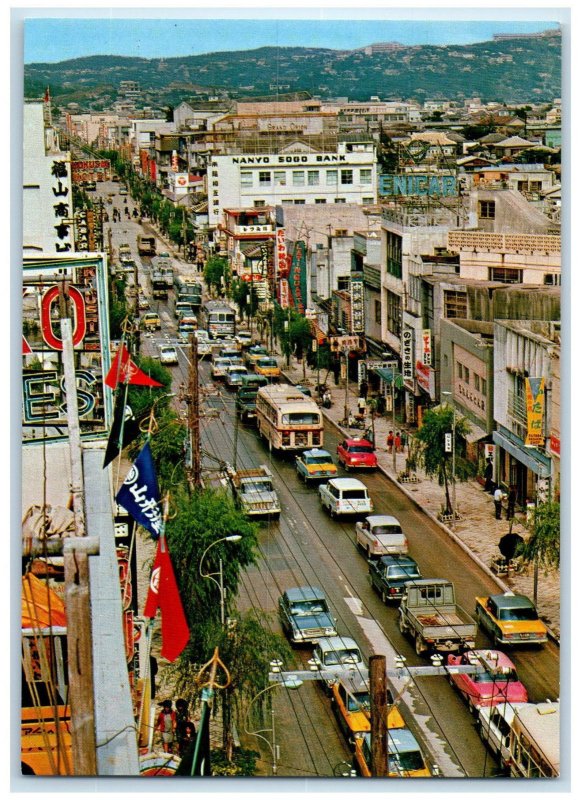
point(175, 726)
point(397, 441)
point(497, 493)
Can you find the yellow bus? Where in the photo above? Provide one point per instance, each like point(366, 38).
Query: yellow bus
point(288, 419)
point(534, 741)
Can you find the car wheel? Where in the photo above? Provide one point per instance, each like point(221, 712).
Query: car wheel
point(419, 646)
point(383, 596)
point(402, 626)
point(471, 708)
point(368, 553)
point(346, 467)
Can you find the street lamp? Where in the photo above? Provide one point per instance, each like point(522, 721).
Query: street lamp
point(290, 682)
point(220, 582)
point(449, 394)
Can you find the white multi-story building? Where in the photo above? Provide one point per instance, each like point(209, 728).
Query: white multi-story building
point(295, 175)
point(47, 196)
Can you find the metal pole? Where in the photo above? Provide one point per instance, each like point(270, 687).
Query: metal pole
point(393, 420)
point(221, 570)
point(274, 758)
point(453, 463)
point(346, 409)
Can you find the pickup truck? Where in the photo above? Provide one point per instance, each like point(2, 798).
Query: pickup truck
point(510, 619)
point(254, 491)
point(429, 614)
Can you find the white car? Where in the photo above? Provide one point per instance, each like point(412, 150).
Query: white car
point(204, 344)
point(336, 656)
point(494, 728)
point(168, 355)
point(345, 496)
point(243, 338)
point(233, 375)
point(219, 367)
point(381, 535)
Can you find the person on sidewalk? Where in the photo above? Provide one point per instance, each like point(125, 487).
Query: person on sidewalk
point(185, 728)
point(488, 475)
point(390, 441)
point(397, 442)
point(166, 725)
point(403, 439)
point(511, 502)
point(498, 495)
point(363, 389)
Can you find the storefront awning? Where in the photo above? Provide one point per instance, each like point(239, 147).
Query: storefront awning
point(385, 374)
point(532, 458)
point(475, 434)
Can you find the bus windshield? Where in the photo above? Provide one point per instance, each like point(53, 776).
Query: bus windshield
point(300, 418)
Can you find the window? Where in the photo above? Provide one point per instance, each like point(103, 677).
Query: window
point(505, 274)
point(394, 255)
point(365, 176)
point(459, 371)
point(298, 177)
point(343, 283)
point(455, 306)
point(313, 177)
point(486, 209)
point(279, 178)
point(467, 376)
point(535, 186)
point(331, 177)
point(483, 385)
point(299, 202)
point(259, 203)
point(394, 314)
point(320, 201)
point(377, 311)
point(477, 382)
point(367, 201)
point(287, 202)
point(246, 178)
point(346, 177)
point(339, 200)
point(264, 178)
point(552, 279)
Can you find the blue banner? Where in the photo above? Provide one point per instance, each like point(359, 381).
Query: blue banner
point(139, 493)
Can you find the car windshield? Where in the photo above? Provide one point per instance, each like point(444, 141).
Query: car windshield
point(402, 763)
point(358, 701)
point(386, 530)
point(360, 448)
point(403, 572)
point(266, 362)
point(302, 608)
point(300, 418)
point(258, 351)
point(256, 486)
point(495, 677)
point(523, 614)
point(354, 494)
point(317, 459)
point(349, 656)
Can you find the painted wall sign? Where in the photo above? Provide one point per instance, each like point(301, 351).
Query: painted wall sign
point(535, 399)
point(412, 185)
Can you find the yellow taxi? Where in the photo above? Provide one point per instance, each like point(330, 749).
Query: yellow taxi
point(350, 700)
point(510, 619)
point(315, 465)
point(268, 367)
point(404, 757)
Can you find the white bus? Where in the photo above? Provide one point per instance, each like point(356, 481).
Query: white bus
point(288, 419)
point(534, 741)
point(218, 318)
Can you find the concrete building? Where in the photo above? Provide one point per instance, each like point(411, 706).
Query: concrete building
point(526, 354)
point(47, 197)
point(293, 175)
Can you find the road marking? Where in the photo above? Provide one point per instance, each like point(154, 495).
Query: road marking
point(355, 605)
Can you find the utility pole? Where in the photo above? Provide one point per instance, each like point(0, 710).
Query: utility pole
point(193, 401)
point(77, 588)
point(346, 409)
point(378, 702)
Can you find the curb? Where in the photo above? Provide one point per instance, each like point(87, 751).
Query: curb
point(455, 538)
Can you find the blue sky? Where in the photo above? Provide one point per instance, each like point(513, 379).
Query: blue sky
point(58, 39)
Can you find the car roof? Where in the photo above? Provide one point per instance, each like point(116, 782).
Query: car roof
point(492, 658)
point(166, 347)
point(356, 440)
point(347, 483)
point(305, 593)
point(316, 451)
point(512, 600)
point(382, 519)
point(330, 643)
point(402, 739)
point(401, 561)
point(354, 682)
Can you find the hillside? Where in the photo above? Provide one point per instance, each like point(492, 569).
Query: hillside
point(511, 71)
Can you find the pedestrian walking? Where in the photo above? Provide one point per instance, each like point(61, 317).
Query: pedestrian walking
point(488, 476)
point(390, 441)
point(363, 389)
point(511, 502)
point(397, 442)
point(404, 440)
point(361, 406)
point(185, 728)
point(166, 725)
point(498, 495)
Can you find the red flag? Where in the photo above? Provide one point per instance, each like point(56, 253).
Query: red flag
point(47, 95)
point(163, 594)
point(123, 370)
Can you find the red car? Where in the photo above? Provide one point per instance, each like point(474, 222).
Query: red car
point(496, 683)
point(356, 454)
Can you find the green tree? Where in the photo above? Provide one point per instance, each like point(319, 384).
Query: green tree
point(432, 455)
point(543, 545)
point(217, 273)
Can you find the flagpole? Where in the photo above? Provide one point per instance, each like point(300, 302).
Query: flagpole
point(120, 442)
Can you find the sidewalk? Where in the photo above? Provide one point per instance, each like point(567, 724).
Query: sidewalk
point(477, 532)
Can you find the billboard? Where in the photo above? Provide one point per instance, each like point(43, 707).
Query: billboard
point(80, 283)
point(535, 400)
point(91, 170)
point(407, 355)
point(426, 378)
point(415, 185)
point(298, 276)
point(357, 304)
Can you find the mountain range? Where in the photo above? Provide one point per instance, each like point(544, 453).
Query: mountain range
point(513, 71)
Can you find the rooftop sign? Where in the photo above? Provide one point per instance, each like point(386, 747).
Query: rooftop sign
point(414, 185)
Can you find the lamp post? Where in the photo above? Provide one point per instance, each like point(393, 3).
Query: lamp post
point(449, 394)
point(220, 582)
point(290, 682)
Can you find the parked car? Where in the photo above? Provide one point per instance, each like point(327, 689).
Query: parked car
point(168, 355)
point(389, 574)
point(497, 682)
point(268, 367)
point(305, 616)
point(381, 535)
point(243, 338)
point(345, 496)
point(352, 705)
point(219, 367)
point(336, 656)
point(315, 464)
point(233, 375)
point(253, 354)
point(356, 454)
point(151, 321)
point(510, 619)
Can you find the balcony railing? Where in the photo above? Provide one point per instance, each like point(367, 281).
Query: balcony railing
point(517, 407)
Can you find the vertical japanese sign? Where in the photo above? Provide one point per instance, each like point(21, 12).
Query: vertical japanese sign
point(407, 355)
point(298, 276)
point(357, 304)
point(535, 399)
point(281, 255)
point(427, 347)
point(62, 207)
point(174, 160)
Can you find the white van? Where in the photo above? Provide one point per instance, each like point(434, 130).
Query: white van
point(345, 496)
